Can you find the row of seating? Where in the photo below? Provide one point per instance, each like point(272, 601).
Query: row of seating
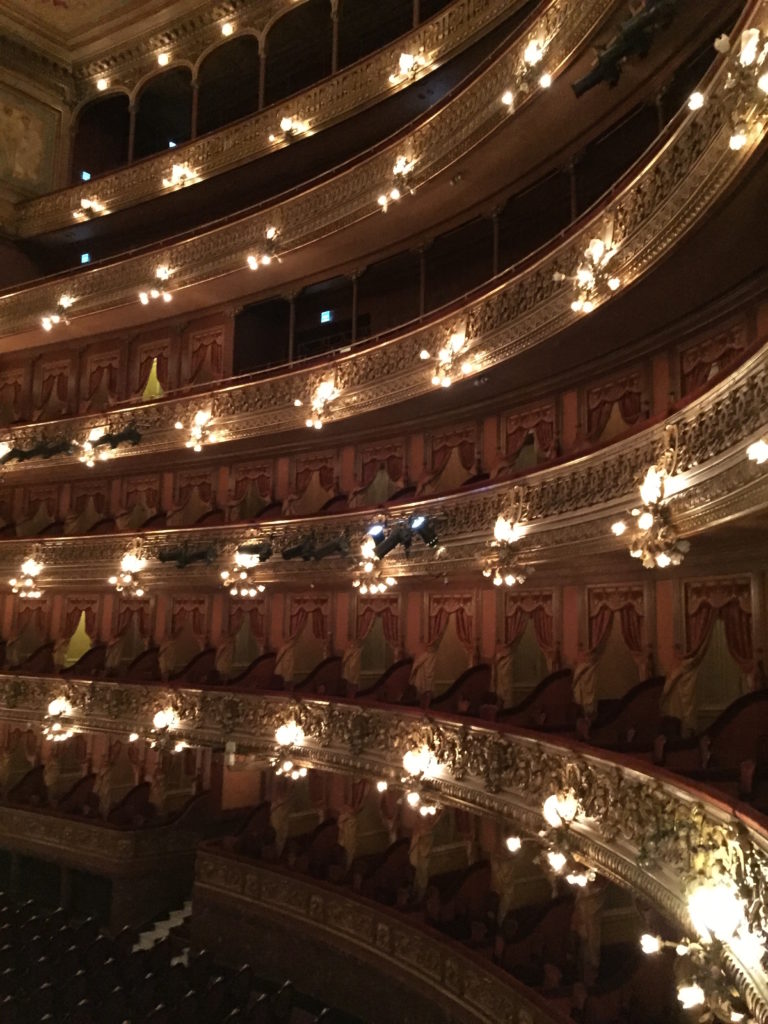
point(60, 971)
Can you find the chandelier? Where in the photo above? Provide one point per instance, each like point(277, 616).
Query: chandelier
point(161, 736)
point(324, 394)
point(200, 432)
point(655, 539)
point(26, 586)
point(409, 65)
point(744, 94)
point(503, 565)
point(290, 128)
point(452, 361)
point(401, 182)
point(268, 251)
point(287, 737)
point(132, 564)
point(420, 766)
point(369, 577)
point(158, 290)
point(592, 278)
point(60, 316)
point(527, 73)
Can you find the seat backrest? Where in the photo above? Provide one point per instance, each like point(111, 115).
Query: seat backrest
point(391, 685)
point(31, 789)
point(134, 810)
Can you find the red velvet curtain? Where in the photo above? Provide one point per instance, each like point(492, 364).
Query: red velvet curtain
point(600, 403)
point(631, 627)
point(149, 495)
point(204, 489)
point(29, 614)
point(206, 360)
point(386, 610)
point(705, 610)
point(73, 618)
point(299, 615)
point(516, 623)
point(253, 612)
point(540, 423)
point(440, 615)
point(244, 483)
point(393, 464)
point(127, 612)
point(738, 633)
point(630, 620)
point(146, 365)
point(98, 373)
point(99, 501)
point(543, 627)
point(187, 616)
point(699, 362)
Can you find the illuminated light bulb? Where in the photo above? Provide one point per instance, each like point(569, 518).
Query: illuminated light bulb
point(419, 762)
point(560, 809)
point(102, 84)
point(413, 798)
point(509, 579)
point(253, 262)
point(165, 719)
point(163, 272)
point(178, 425)
point(645, 521)
point(65, 301)
point(557, 860)
point(650, 944)
point(163, 59)
point(690, 996)
point(545, 81)
point(696, 101)
point(533, 52)
point(497, 581)
point(445, 382)
point(577, 305)
point(652, 487)
point(466, 368)
point(614, 283)
point(588, 306)
point(266, 259)
point(716, 910)
point(286, 124)
point(738, 140)
point(406, 63)
point(60, 706)
point(758, 451)
point(762, 82)
point(167, 296)
point(507, 98)
point(390, 581)
point(424, 354)
point(132, 737)
point(227, 28)
point(514, 843)
point(619, 528)
point(382, 786)
point(289, 735)
point(382, 201)
point(298, 403)
point(394, 194)
point(750, 40)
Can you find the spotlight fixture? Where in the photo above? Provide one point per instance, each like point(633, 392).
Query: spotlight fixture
point(304, 549)
point(592, 280)
point(184, 556)
point(401, 182)
point(337, 546)
point(423, 527)
point(100, 443)
point(253, 553)
point(656, 541)
point(268, 250)
point(65, 302)
point(400, 534)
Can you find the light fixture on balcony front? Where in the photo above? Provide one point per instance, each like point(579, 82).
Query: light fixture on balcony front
point(758, 451)
point(369, 577)
point(744, 94)
point(503, 566)
point(89, 451)
point(401, 182)
point(324, 394)
point(127, 580)
point(290, 128)
point(592, 279)
point(239, 580)
point(163, 59)
point(90, 206)
point(528, 73)
point(52, 320)
point(268, 251)
point(227, 28)
point(288, 737)
point(655, 539)
point(57, 724)
point(26, 586)
point(163, 274)
point(409, 65)
point(102, 84)
point(200, 431)
point(452, 361)
point(181, 175)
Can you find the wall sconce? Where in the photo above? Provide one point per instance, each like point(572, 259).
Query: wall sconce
point(324, 394)
point(26, 586)
point(57, 724)
point(656, 541)
point(503, 565)
point(269, 251)
point(199, 432)
point(163, 59)
point(758, 451)
point(248, 557)
point(526, 74)
point(60, 316)
point(102, 84)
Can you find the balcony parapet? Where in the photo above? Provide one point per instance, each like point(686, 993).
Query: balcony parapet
point(334, 203)
point(566, 508)
point(450, 973)
point(644, 829)
point(351, 90)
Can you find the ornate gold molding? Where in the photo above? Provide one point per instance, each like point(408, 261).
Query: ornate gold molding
point(454, 128)
point(479, 992)
point(650, 831)
point(566, 509)
point(349, 91)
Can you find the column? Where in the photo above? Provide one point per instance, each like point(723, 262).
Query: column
point(416, 13)
point(355, 277)
point(291, 325)
point(334, 36)
point(422, 279)
point(262, 70)
point(131, 129)
point(495, 225)
point(193, 119)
